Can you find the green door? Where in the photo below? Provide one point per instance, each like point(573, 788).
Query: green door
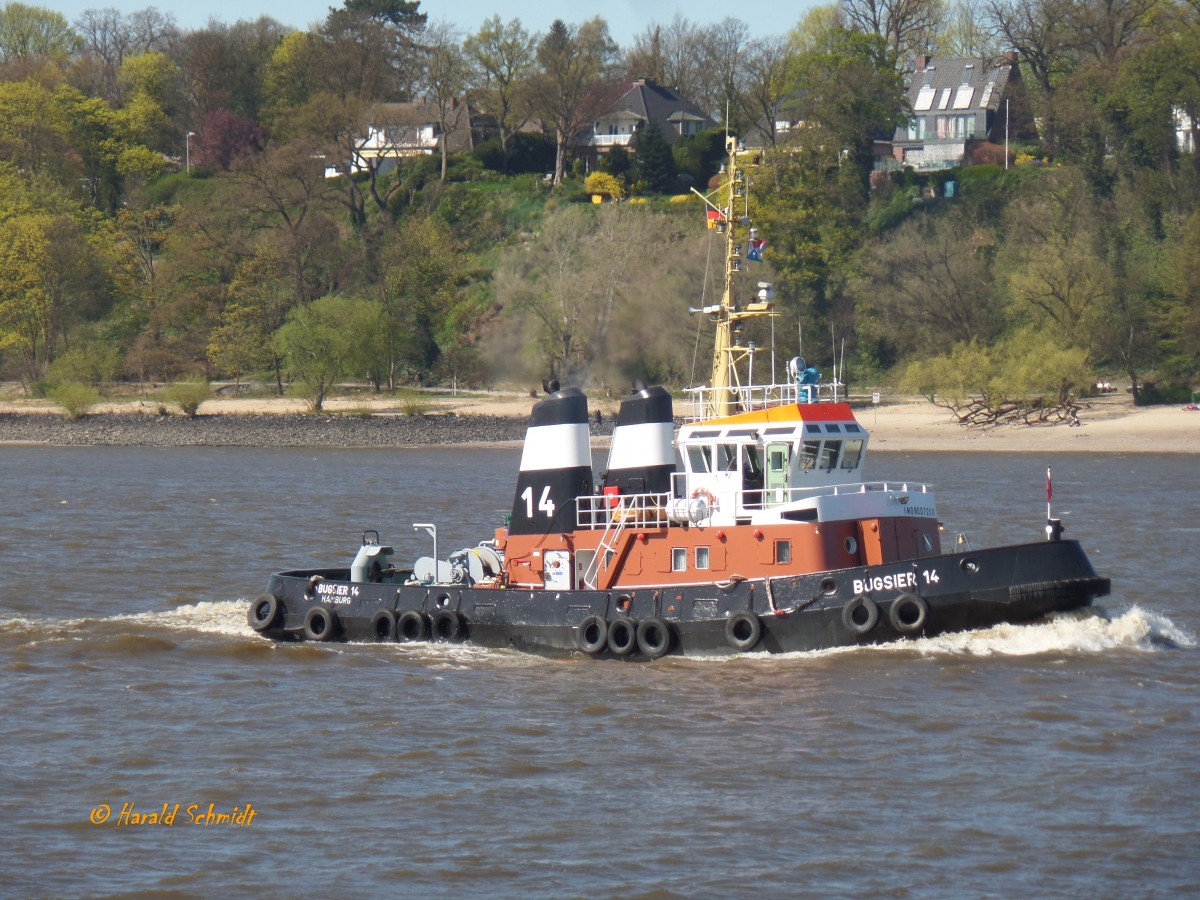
point(778, 456)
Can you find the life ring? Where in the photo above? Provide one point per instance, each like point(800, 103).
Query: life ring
point(412, 626)
point(908, 613)
point(263, 612)
point(706, 495)
point(446, 626)
point(653, 637)
point(622, 635)
point(592, 634)
point(860, 615)
point(320, 623)
point(743, 630)
point(383, 625)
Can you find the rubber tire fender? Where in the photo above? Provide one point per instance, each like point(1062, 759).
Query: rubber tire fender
point(446, 626)
point(383, 625)
point(320, 624)
point(654, 637)
point(412, 626)
point(622, 635)
point(592, 634)
point(264, 612)
point(743, 630)
point(897, 610)
point(850, 609)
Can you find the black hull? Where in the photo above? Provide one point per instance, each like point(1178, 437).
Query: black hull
point(848, 607)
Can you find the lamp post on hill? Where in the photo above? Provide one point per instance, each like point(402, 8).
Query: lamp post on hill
point(187, 151)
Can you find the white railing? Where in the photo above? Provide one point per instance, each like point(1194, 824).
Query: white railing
point(760, 396)
point(601, 510)
point(610, 140)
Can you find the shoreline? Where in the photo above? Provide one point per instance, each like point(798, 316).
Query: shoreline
point(1109, 425)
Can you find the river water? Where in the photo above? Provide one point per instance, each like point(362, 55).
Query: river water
point(1055, 759)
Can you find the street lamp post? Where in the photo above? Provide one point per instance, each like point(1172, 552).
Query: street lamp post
point(187, 151)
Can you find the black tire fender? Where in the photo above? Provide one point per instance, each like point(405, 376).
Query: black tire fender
point(264, 612)
point(743, 630)
point(383, 625)
point(622, 635)
point(412, 626)
point(654, 637)
point(592, 634)
point(320, 624)
point(860, 615)
point(908, 613)
point(446, 626)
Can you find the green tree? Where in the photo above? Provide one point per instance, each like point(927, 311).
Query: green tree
point(423, 270)
point(258, 300)
point(49, 272)
point(322, 342)
point(1028, 378)
point(654, 163)
point(573, 64)
point(853, 94)
point(33, 32)
point(504, 55)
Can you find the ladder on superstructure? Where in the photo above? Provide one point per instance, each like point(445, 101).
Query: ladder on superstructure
point(608, 541)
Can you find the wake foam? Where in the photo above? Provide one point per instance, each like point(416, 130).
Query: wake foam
point(1088, 631)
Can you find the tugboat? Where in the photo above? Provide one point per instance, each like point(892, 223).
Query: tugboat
point(747, 530)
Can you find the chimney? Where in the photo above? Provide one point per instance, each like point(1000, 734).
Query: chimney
point(922, 62)
point(1010, 57)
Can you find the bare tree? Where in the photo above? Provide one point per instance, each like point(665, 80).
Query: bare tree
point(1103, 27)
point(966, 32)
point(909, 26)
point(446, 76)
point(721, 47)
point(765, 82)
point(670, 54)
point(1039, 31)
point(569, 89)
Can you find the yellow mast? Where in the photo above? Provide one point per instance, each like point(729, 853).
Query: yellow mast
point(728, 351)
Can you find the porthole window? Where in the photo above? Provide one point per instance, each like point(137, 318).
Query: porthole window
point(679, 559)
point(701, 557)
point(783, 551)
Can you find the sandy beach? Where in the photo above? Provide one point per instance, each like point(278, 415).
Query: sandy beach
point(1108, 425)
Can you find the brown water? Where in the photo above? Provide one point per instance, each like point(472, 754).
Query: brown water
point(1058, 759)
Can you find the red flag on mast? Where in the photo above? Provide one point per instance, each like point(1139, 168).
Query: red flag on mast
point(1049, 488)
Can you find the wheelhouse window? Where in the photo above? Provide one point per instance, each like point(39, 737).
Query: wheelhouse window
point(851, 454)
point(699, 458)
point(809, 453)
point(701, 557)
point(727, 457)
point(829, 454)
point(679, 559)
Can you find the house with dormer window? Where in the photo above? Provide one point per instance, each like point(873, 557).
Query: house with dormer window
point(959, 104)
point(395, 131)
point(643, 102)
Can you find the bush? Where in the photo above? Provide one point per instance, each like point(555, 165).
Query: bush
point(1156, 393)
point(87, 365)
point(76, 399)
point(188, 395)
point(605, 185)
